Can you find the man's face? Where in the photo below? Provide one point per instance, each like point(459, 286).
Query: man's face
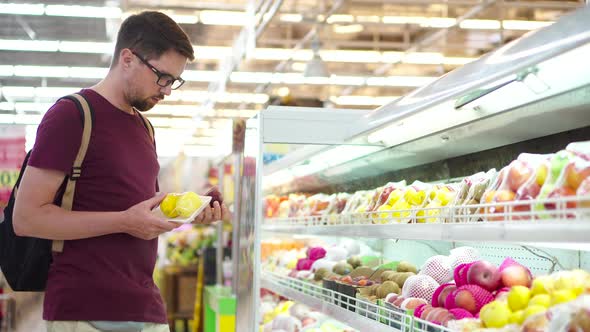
point(144, 91)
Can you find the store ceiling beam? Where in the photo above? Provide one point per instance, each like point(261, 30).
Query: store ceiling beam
point(428, 39)
point(520, 4)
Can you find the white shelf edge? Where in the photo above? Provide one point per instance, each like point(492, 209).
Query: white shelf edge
point(342, 315)
point(514, 232)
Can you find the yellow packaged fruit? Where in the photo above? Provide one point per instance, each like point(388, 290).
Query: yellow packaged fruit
point(188, 203)
point(168, 205)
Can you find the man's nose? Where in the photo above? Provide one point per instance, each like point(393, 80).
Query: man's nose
point(167, 90)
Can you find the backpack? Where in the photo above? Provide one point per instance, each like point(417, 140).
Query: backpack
point(25, 261)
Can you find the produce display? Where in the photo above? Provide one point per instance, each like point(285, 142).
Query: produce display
point(183, 244)
point(461, 291)
point(280, 315)
point(532, 179)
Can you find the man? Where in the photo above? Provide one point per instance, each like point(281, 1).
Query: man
point(102, 281)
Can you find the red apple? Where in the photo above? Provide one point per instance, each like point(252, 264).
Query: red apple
point(519, 173)
point(501, 196)
point(516, 275)
point(576, 172)
point(217, 197)
point(307, 321)
point(442, 297)
point(584, 190)
point(464, 300)
point(561, 192)
point(484, 274)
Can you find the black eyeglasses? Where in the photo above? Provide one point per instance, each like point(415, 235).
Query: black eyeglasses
point(164, 80)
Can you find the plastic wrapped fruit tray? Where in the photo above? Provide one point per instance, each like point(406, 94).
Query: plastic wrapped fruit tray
point(570, 208)
point(364, 315)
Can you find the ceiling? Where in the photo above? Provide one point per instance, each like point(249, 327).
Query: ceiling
point(373, 50)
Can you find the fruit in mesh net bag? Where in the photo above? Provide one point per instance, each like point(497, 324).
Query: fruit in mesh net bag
point(188, 203)
point(168, 205)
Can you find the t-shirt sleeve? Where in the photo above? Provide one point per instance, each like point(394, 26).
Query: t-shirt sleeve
point(58, 138)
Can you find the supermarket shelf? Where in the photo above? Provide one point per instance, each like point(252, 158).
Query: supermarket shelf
point(458, 223)
point(545, 232)
point(356, 313)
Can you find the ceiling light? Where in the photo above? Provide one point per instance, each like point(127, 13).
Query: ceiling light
point(368, 19)
point(83, 11)
point(340, 19)
point(185, 19)
point(283, 91)
point(423, 58)
point(6, 70)
point(404, 20)
point(439, 22)
point(294, 18)
point(228, 113)
point(362, 100)
point(480, 24)
point(29, 45)
point(351, 56)
point(346, 29)
point(298, 66)
point(218, 17)
point(86, 47)
point(316, 66)
point(524, 25)
point(22, 9)
point(198, 75)
point(409, 81)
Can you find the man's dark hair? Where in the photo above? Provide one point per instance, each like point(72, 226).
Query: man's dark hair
point(151, 34)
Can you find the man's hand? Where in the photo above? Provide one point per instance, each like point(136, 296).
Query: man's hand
point(140, 222)
point(209, 215)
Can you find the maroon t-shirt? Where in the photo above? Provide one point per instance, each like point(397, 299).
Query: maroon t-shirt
point(106, 277)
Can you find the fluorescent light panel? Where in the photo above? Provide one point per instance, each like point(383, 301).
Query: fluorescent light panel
point(238, 18)
point(220, 52)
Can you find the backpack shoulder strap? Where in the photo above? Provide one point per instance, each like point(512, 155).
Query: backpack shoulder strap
point(87, 116)
point(147, 124)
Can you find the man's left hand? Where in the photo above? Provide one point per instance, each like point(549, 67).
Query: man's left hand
point(209, 215)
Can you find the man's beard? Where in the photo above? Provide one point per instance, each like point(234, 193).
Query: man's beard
point(144, 105)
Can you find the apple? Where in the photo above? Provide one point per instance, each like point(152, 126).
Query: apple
point(465, 300)
point(307, 321)
point(484, 274)
point(384, 196)
point(516, 275)
point(217, 197)
point(504, 195)
point(518, 174)
point(561, 192)
point(541, 175)
point(528, 191)
point(442, 297)
point(584, 190)
point(576, 172)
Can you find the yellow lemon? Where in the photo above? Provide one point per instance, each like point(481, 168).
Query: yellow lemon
point(562, 296)
point(533, 310)
point(543, 300)
point(516, 317)
point(188, 203)
point(168, 206)
point(518, 297)
point(495, 314)
point(542, 285)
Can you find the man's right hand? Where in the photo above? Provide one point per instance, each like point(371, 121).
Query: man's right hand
point(139, 221)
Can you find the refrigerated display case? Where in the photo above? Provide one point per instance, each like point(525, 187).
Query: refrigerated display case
point(532, 95)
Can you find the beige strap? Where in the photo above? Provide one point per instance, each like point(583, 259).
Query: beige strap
point(68, 197)
point(147, 124)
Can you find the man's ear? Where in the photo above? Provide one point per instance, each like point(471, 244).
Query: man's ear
point(126, 57)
